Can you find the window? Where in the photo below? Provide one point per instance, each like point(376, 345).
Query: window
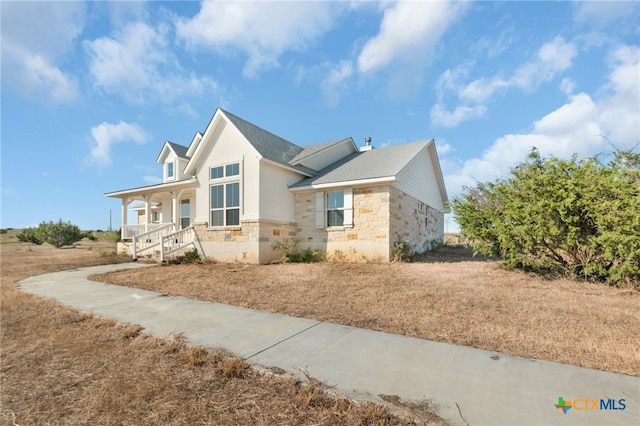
point(225, 204)
point(157, 217)
point(426, 217)
point(169, 170)
point(217, 172)
point(185, 214)
point(335, 208)
point(233, 169)
point(225, 195)
point(229, 170)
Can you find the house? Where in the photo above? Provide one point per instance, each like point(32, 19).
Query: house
point(238, 189)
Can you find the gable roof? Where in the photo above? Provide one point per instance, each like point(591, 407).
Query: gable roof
point(179, 150)
point(311, 150)
point(383, 163)
point(269, 146)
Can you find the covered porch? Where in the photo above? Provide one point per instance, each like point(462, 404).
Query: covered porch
point(165, 205)
point(159, 223)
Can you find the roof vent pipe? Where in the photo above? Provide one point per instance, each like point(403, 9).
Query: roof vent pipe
point(367, 144)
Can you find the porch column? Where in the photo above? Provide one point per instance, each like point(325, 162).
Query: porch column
point(174, 209)
point(147, 212)
point(125, 204)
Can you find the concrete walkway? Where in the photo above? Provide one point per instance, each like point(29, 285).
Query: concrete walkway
point(468, 386)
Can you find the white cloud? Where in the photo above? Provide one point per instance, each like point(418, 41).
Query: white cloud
point(574, 128)
point(620, 102)
point(567, 86)
point(408, 31)
point(138, 65)
point(444, 148)
point(405, 43)
point(334, 83)
point(261, 30)
point(600, 14)
point(35, 35)
point(552, 58)
point(441, 117)
point(106, 134)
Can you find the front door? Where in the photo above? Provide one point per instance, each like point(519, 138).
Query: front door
point(185, 214)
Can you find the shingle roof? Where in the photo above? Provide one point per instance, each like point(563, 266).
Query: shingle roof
point(270, 146)
point(312, 149)
point(377, 163)
point(180, 150)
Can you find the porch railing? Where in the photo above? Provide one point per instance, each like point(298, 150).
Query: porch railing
point(179, 239)
point(149, 239)
point(130, 231)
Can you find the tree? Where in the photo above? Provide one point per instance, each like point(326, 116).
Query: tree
point(30, 235)
point(578, 217)
point(58, 234)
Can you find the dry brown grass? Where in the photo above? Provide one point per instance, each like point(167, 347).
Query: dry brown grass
point(59, 366)
point(465, 301)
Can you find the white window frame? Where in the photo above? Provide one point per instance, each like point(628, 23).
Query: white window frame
point(171, 170)
point(231, 174)
point(322, 209)
point(186, 201)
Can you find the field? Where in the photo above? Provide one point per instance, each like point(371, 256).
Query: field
point(59, 366)
point(63, 367)
point(449, 296)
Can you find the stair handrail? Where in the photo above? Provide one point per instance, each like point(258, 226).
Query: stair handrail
point(143, 236)
point(180, 243)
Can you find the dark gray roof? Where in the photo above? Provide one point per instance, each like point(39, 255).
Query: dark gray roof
point(270, 146)
point(377, 163)
point(312, 149)
point(180, 150)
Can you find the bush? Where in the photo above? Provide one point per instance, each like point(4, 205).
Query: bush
point(191, 257)
point(58, 234)
point(113, 236)
point(579, 218)
point(400, 250)
point(291, 253)
point(61, 234)
point(30, 235)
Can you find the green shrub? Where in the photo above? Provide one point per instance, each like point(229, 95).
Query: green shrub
point(30, 235)
point(579, 218)
point(58, 234)
point(191, 256)
point(291, 254)
point(3, 231)
point(400, 250)
point(113, 236)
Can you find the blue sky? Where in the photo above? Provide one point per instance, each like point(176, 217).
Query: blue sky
point(91, 90)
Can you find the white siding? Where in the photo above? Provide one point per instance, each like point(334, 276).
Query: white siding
point(227, 145)
point(418, 179)
point(276, 201)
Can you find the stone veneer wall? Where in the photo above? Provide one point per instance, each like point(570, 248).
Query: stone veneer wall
point(408, 221)
point(368, 239)
point(250, 242)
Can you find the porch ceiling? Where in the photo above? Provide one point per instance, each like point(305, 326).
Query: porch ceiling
point(145, 191)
